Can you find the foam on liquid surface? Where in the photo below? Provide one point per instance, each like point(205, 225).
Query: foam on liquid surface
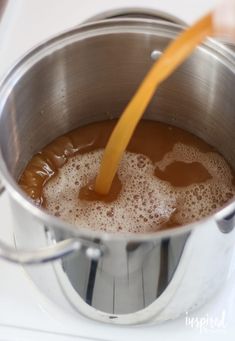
point(145, 203)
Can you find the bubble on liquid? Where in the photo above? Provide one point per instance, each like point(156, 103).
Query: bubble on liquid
point(145, 202)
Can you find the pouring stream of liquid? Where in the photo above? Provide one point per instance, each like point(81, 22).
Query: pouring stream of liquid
point(173, 56)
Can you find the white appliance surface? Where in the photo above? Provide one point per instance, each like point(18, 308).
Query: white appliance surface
point(25, 314)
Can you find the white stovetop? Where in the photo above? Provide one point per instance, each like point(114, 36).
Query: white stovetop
point(25, 314)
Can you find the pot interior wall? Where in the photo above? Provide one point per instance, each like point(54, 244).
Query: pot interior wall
point(94, 78)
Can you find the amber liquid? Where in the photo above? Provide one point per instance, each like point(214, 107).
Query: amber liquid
point(190, 169)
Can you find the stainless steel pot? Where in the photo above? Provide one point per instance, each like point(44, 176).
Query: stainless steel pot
point(86, 75)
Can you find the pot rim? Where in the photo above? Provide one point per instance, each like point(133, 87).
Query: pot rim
point(69, 36)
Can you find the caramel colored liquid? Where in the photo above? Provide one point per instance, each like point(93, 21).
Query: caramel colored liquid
point(167, 178)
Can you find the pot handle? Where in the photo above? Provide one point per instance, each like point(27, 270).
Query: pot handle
point(50, 253)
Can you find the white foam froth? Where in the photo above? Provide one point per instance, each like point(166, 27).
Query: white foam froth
point(145, 202)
